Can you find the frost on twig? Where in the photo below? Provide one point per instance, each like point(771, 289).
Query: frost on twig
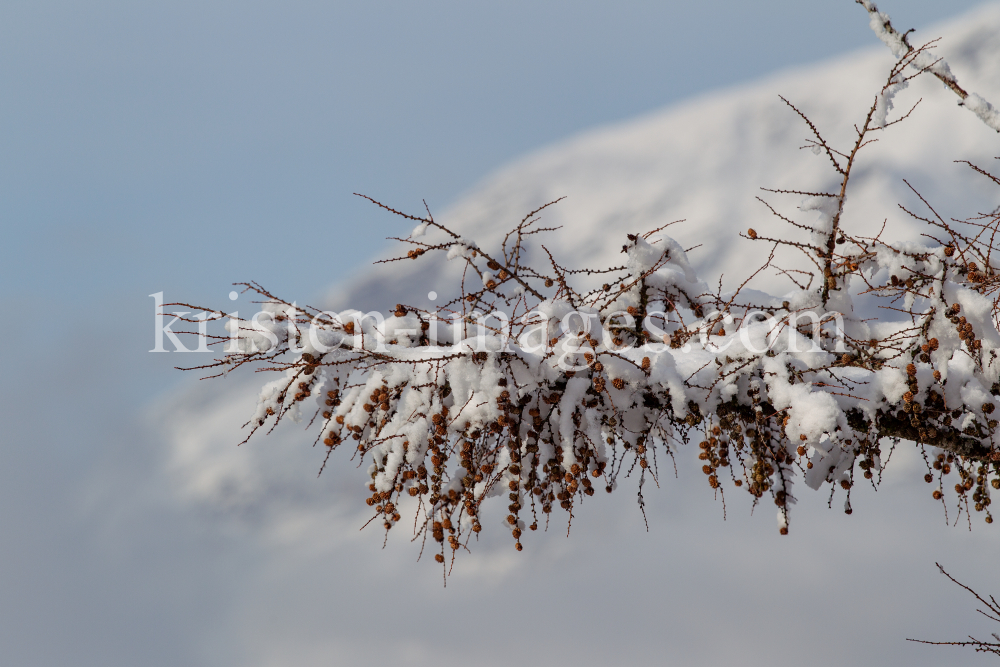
point(899, 44)
point(541, 385)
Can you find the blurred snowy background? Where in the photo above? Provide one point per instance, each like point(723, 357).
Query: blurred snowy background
point(184, 146)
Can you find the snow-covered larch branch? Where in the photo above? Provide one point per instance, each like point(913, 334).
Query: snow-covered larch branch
point(545, 384)
point(900, 46)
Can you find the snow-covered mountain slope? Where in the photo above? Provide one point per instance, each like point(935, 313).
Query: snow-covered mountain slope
point(703, 161)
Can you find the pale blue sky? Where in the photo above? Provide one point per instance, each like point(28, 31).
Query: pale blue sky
point(185, 145)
